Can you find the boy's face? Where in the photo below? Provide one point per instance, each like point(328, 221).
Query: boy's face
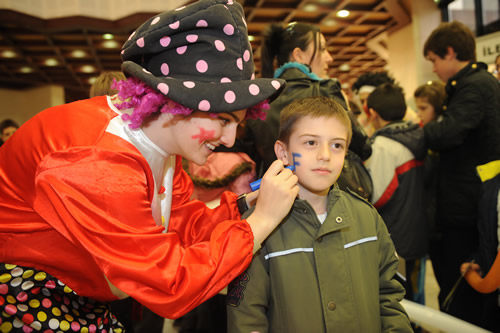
point(444, 67)
point(322, 144)
point(425, 110)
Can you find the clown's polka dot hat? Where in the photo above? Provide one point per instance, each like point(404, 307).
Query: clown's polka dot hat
point(200, 57)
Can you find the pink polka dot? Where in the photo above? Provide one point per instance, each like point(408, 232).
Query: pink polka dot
point(156, 20)
point(4, 288)
point(27, 329)
point(192, 38)
point(252, 77)
point(239, 63)
point(225, 80)
point(276, 84)
point(10, 309)
point(204, 105)
point(254, 89)
point(165, 69)
point(163, 87)
point(181, 49)
point(229, 96)
point(201, 66)
point(122, 52)
point(228, 29)
point(174, 25)
point(92, 328)
point(22, 296)
point(219, 45)
point(230, 2)
point(201, 24)
point(189, 84)
point(140, 42)
point(46, 303)
point(75, 326)
point(246, 55)
point(165, 41)
point(50, 284)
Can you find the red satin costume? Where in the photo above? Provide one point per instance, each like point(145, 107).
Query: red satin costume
point(75, 202)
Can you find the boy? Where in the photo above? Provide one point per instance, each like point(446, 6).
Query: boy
point(396, 168)
point(467, 136)
point(330, 266)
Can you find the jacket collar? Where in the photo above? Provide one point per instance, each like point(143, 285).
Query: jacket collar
point(303, 68)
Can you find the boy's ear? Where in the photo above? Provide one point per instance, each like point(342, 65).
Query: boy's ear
point(450, 54)
point(373, 113)
point(280, 151)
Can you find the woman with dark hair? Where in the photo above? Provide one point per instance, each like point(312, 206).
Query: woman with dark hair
point(95, 205)
point(297, 53)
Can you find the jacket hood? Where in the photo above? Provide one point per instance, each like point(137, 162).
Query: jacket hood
point(408, 134)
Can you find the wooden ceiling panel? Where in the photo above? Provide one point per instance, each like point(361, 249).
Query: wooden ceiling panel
point(34, 40)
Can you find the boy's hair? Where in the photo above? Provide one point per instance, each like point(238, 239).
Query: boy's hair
point(102, 85)
point(314, 107)
point(388, 101)
point(6, 124)
point(455, 35)
point(435, 93)
point(372, 79)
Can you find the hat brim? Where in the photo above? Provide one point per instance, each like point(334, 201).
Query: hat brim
point(232, 96)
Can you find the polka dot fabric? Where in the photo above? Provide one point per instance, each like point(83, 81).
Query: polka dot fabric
point(34, 301)
point(199, 56)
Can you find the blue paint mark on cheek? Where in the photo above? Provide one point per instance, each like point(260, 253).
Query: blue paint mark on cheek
point(295, 156)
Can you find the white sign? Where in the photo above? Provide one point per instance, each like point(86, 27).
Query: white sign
point(488, 47)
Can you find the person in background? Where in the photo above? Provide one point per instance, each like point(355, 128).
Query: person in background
point(95, 205)
point(497, 66)
point(302, 59)
point(467, 135)
point(330, 265)
point(396, 167)
point(430, 99)
point(7, 128)
point(102, 84)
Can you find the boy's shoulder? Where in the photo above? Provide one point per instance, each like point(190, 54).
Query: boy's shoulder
point(355, 198)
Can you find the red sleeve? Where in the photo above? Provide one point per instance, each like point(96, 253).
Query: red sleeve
point(100, 201)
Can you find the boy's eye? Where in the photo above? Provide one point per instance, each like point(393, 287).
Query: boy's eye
point(310, 142)
point(337, 145)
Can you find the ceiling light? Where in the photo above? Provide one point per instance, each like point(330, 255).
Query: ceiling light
point(344, 67)
point(78, 54)
point(110, 44)
point(51, 62)
point(92, 80)
point(9, 54)
point(26, 69)
point(330, 22)
point(87, 69)
point(310, 7)
point(251, 38)
point(343, 13)
point(108, 36)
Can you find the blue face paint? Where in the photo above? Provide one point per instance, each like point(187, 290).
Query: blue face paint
point(256, 184)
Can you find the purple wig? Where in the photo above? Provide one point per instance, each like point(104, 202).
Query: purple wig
point(145, 101)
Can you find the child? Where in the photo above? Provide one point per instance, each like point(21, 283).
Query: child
point(430, 99)
point(396, 167)
point(331, 263)
point(467, 136)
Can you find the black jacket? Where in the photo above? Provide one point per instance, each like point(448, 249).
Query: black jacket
point(299, 84)
point(467, 136)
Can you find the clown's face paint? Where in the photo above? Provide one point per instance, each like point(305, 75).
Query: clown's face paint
point(194, 137)
point(204, 135)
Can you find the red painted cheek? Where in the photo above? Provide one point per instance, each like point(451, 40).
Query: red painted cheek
point(204, 135)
